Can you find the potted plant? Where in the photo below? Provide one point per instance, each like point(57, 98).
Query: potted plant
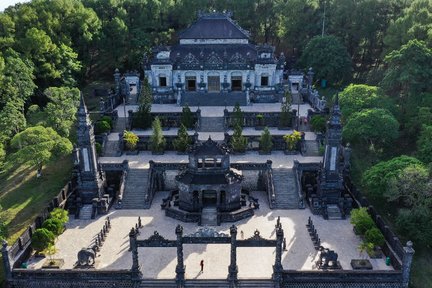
point(238, 141)
point(361, 220)
point(157, 140)
point(375, 240)
point(52, 263)
point(187, 118)
point(131, 142)
point(182, 142)
point(285, 115)
point(259, 122)
point(266, 143)
point(291, 141)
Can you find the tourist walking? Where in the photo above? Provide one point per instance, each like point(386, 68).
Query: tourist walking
point(202, 266)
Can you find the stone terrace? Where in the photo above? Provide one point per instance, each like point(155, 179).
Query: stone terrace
point(252, 262)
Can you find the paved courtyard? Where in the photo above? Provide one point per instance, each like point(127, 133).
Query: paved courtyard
point(252, 262)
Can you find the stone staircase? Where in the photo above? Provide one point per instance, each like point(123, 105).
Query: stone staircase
point(209, 216)
point(213, 99)
point(86, 212)
point(208, 283)
point(333, 212)
point(296, 99)
point(285, 189)
point(312, 148)
point(212, 124)
point(120, 125)
point(111, 148)
point(135, 189)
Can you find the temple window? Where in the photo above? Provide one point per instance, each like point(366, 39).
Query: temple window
point(264, 80)
point(190, 83)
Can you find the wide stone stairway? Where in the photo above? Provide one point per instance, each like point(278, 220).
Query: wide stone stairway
point(111, 148)
point(86, 212)
point(135, 189)
point(285, 189)
point(212, 124)
point(208, 283)
point(311, 148)
point(209, 216)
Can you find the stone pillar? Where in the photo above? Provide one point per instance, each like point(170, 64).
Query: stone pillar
point(180, 268)
point(232, 269)
point(277, 267)
point(6, 260)
point(133, 247)
point(406, 263)
point(117, 81)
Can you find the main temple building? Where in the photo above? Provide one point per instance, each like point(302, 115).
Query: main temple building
point(214, 63)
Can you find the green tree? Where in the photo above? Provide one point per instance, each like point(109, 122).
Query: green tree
point(61, 110)
point(411, 187)
point(415, 224)
point(187, 118)
point(376, 128)
point(12, 120)
point(376, 178)
point(329, 59)
point(42, 239)
point(60, 214)
point(318, 123)
point(238, 117)
point(182, 142)
point(356, 97)
point(361, 220)
point(142, 118)
point(238, 141)
point(424, 144)
point(38, 145)
point(285, 116)
point(3, 226)
point(375, 237)
point(157, 140)
point(53, 225)
point(266, 143)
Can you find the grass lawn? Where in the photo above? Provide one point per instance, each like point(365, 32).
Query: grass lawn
point(23, 196)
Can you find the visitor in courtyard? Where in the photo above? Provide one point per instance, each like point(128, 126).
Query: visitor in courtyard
point(202, 266)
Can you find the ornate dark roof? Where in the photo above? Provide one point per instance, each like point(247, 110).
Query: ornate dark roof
point(209, 148)
point(214, 26)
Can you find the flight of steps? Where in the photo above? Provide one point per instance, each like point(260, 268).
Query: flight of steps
point(285, 189)
point(312, 148)
point(135, 189)
point(120, 125)
point(209, 216)
point(86, 212)
point(333, 212)
point(207, 283)
point(212, 124)
point(111, 148)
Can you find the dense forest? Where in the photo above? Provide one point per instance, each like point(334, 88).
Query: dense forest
point(378, 53)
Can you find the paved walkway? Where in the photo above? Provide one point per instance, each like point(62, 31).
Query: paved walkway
point(161, 262)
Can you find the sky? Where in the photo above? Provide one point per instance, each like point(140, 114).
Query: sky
point(6, 3)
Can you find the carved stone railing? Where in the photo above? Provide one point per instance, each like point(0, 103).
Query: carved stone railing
point(251, 119)
point(168, 119)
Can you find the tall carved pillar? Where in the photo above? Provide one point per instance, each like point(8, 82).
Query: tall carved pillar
point(117, 81)
point(406, 263)
point(133, 247)
point(6, 260)
point(233, 269)
point(180, 268)
point(277, 267)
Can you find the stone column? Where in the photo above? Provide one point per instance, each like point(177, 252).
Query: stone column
point(277, 267)
point(406, 263)
point(133, 247)
point(117, 81)
point(233, 269)
point(6, 260)
point(180, 268)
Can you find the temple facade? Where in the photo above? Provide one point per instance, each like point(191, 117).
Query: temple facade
point(215, 63)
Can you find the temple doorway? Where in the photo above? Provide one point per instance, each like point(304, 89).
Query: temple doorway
point(209, 198)
point(213, 83)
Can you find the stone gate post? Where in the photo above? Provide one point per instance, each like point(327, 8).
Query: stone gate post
point(134, 248)
point(6, 260)
point(277, 267)
point(406, 263)
point(233, 269)
point(180, 268)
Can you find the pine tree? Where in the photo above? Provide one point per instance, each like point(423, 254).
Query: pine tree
point(157, 140)
point(266, 143)
point(142, 118)
point(182, 142)
point(186, 117)
point(238, 119)
point(285, 116)
point(238, 141)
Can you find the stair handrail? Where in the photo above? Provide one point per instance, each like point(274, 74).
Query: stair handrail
point(121, 190)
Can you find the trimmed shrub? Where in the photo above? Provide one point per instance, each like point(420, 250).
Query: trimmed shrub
point(375, 237)
point(157, 139)
point(60, 214)
point(54, 225)
point(266, 143)
point(187, 118)
point(102, 127)
point(108, 120)
point(361, 220)
point(238, 141)
point(182, 142)
point(131, 140)
point(292, 139)
point(42, 238)
point(318, 123)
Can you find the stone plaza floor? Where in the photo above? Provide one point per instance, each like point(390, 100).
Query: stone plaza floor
point(160, 263)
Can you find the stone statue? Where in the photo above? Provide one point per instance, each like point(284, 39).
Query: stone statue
point(86, 257)
point(327, 259)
